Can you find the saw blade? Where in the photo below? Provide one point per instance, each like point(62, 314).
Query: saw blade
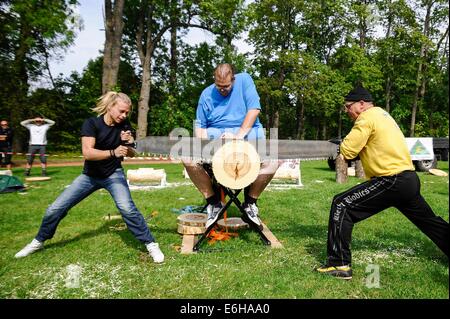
point(270, 149)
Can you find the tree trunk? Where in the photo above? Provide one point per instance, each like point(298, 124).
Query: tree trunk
point(19, 96)
point(113, 43)
point(420, 80)
point(267, 113)
point(362, 30)
point(276, 119)
point(144, 97)
point(173, 62)
point(388, 94)
point(317, 129)
point(324, 131)
point(340, 124)
point(300, 129)
point(145, 53)
point(389, 64)
point(415, 101)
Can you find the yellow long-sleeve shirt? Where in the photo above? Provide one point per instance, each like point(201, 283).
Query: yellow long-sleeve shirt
point(379, 142)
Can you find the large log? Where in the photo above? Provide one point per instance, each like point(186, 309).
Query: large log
point(190, 230)
point(287, 173)
point(236, 164)
point(341, 170)
point(191, 223)
point(232, 223)
point(359, 170)
point(146, 175)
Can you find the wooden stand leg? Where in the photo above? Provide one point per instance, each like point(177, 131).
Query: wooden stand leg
point(187, 247)
point(274, 242)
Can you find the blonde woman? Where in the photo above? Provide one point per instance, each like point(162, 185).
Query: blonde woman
point(102, 140)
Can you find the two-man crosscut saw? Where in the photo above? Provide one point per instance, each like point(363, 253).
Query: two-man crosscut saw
point(268, 149)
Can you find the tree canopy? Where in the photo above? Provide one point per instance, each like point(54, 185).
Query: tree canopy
point(306, 56)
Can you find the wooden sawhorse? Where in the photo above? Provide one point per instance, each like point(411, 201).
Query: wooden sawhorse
point(192, 244)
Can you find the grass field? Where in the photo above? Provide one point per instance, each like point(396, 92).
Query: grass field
point(112, 264)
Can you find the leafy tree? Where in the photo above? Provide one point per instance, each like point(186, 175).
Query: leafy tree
point(32, 32)
point(113, 43)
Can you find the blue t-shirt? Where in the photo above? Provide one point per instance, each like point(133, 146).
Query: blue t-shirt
point(219, 114)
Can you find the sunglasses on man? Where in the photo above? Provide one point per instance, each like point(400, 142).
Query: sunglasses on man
point(348, 106)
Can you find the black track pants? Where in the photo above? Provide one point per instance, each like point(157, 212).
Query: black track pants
point(401, 191)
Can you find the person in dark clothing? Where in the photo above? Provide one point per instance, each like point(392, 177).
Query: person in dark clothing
point(102, 145)
point(6, 138)
point(385, 157)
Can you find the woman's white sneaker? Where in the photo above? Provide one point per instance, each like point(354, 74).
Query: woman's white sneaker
point(155, 252)
point(35, 245)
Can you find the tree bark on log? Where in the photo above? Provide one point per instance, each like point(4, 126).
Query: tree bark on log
point(341, 170)
point(359, 170)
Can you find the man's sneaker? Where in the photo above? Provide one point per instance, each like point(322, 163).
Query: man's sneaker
point(252, 213)
point(213, 213)
point(27, 173)
point(44, 173)
point(341, 272)
point(35, 245)
point(155, 252)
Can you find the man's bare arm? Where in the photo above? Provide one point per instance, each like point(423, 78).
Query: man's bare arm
point(201, 132)
point(248, 122)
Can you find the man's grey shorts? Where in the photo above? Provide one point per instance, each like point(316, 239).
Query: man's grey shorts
point(36, 149)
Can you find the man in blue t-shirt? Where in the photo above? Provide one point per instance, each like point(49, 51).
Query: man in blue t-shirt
point(229, 108)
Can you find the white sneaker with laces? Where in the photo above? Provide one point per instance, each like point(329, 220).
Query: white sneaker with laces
point(35, 245)
point(252, 212)
point(213, 213)
point(155, 252)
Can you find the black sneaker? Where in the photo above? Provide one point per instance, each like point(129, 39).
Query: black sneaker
point(341, 272)
point(27, 173)
point(44, 173)
point(213, 213)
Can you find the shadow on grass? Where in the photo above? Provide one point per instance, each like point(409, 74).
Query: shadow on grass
point(427, 248)
point(126, 236)
point(245, 236)
point(440, 277)
point(317, 245)
point(86, 235)
point(316, 234)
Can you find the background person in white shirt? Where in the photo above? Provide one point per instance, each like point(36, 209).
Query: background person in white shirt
point(38, 128)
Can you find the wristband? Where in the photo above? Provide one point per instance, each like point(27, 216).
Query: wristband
point(111, 153)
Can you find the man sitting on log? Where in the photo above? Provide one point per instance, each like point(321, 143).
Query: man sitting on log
point(229, 108)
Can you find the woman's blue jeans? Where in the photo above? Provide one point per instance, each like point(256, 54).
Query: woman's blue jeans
point(81, 188)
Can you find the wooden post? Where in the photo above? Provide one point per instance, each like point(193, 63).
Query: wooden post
point(189, 241)
point(359, 170)
point(274, 242)
point(341, 170)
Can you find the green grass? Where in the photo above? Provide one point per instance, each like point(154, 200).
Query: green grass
point(115, 265)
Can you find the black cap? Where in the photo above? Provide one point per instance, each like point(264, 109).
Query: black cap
point(359, 94)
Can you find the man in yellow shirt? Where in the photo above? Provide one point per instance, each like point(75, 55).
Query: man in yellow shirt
point(381, 146)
